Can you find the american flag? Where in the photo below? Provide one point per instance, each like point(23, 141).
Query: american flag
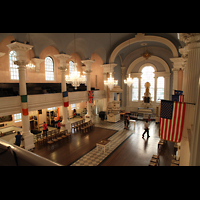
point(171, 120)
point(178, 98)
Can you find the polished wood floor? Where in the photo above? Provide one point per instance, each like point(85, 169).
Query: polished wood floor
point(68, 151)
point(134, 151)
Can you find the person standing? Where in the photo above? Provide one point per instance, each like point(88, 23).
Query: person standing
point(44, 129)
point(146, 129)
point(18, 138)
point(127, 121)
point(58, 126)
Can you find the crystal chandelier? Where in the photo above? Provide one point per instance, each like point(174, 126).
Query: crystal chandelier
point(30, 65)
point(129, 81)
point(75, 78)
point(110, 82)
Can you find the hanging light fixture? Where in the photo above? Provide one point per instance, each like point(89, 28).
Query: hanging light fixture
point(110, 82)
point(129, 81)
point(75, 78)
point(30, 65)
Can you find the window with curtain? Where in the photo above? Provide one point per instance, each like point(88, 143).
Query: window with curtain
point(135, 89)
point(14, 71)
point(49, 69)
point(147, 76)
point(160, 88)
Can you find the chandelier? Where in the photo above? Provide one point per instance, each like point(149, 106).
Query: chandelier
point(129, 81)
point(110, 82)
point(30, 65)
point(75, 78)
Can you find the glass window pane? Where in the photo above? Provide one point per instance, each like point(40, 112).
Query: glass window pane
point(147, 76)
point(49, 69)
point(160, 88)
point(135, 89)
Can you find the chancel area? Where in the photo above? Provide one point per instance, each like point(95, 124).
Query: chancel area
point(87, 99)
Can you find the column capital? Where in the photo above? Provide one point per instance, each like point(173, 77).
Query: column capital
point(192, 40)
point(20, 49)
point(177, 63)
point(37, 62)
point(107, 68)
point(21, 64)
point(62, 58)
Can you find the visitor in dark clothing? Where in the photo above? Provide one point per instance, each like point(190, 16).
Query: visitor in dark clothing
point(18, 139)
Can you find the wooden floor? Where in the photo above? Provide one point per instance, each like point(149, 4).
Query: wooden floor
point(134, 151)
point(67, 151)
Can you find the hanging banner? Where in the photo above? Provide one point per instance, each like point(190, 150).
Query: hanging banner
point(171, 120)
point(90, 96)
point(65, 99)
point(24, 105)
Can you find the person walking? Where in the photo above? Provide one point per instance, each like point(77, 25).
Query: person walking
point(146, 129)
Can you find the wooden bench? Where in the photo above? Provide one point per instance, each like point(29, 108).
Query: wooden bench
point(154, 160)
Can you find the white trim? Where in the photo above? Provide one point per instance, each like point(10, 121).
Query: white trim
point(140, 38)
point(155, 58)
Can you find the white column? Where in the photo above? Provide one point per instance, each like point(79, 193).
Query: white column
point(21, 50)
point(123, 87)
point(167, 85)
point(177, 63)
point(88, 71)
point(105, 100)
point(190, 89)
point(107, 68)
point(155, 87)
point(184, 56)
point(63, 67)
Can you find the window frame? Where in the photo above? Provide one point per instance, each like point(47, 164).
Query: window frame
point(137, 89)
point(160, 88)
point(70, 70)
point(152, 89)
point(12, 68)
point(47, 71)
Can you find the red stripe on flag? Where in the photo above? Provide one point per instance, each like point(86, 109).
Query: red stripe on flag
point(173, 121)
point(170, 126)
point(165, 131)
point(182, 121)
point(160, 127)
point(178, 121)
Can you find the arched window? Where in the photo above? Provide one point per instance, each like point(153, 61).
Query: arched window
point(135, 89)
point(14, 71)
point(71, 67)
point(160, 88)
point(49, 69)
point(147, 76)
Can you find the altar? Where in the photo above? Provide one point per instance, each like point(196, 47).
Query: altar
point(144, 110)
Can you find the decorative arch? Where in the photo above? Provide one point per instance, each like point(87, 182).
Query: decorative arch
point(155, 58)
point(145, 65)
point(139, 38)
